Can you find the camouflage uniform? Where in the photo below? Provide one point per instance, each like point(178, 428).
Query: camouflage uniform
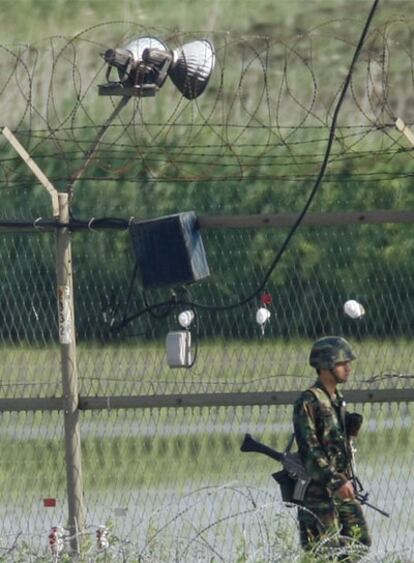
point(320, 431)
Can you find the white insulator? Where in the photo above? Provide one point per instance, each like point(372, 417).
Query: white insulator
point(354, 309)
point(262, 315)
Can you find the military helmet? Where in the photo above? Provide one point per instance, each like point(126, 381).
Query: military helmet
point(329, 351)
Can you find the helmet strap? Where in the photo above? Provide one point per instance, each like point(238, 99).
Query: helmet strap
point(333, 372)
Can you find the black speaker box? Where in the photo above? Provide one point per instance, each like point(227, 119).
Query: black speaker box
point(169, 250)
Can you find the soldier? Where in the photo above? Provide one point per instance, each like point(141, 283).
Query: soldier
point(322, 432)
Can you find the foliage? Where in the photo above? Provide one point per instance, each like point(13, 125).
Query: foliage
point(229, 153)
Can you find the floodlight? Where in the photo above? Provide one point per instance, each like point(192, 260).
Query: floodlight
point(144, 64)
point(192, 67)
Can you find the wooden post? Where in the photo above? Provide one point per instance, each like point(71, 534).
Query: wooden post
point(60, 206)
point(69, 376)
point(401, 126)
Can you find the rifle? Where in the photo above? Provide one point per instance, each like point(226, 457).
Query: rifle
point(352, 423)
point(293, 479)
point(360, 494)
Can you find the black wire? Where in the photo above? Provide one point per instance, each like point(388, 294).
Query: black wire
point(162, 315)
point(131, 284)
point(194, 344)
point(305, 209)
point(317, 182)
point(321, 171)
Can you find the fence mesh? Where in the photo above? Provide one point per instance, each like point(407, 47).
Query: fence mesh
point(154, 474)
point(324, 267)
point(170, 484)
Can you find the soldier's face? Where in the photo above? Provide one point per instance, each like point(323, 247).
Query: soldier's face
point(342, 371)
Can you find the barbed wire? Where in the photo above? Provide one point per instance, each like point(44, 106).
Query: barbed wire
point(264, 98)
point(387, 376)
point(266, 531)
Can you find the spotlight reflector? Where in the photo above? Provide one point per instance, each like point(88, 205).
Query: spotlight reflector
point(138, 46)
point(144, 64)
point(193, 64)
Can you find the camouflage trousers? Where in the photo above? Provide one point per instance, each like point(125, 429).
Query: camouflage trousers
point(335, 522)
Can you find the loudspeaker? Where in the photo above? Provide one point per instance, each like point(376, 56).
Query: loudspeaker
point(169, 250)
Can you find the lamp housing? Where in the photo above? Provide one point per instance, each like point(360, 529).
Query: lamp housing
point(144, 64)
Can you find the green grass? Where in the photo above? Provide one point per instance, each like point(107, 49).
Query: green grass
point(260, 17)
point(234, 365)
point(139, 450)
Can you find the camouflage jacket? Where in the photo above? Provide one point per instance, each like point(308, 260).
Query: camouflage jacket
point(319, 425)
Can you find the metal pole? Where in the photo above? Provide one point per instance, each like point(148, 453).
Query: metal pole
point(90, 153)
point(69, 376)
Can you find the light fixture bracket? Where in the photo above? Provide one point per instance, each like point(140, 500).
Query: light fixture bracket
point(130, 83)
point(118, 89)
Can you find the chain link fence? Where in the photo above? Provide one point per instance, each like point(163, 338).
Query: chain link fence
point(165, 474)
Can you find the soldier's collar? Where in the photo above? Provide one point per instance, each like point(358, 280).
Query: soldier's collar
point(338, 395)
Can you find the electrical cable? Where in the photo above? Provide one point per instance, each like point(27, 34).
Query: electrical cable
point(305, 209)
point(318, 179)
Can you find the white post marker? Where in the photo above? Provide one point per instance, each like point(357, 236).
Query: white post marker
point(65, 314)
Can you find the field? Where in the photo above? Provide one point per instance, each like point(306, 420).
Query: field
point(262, 17)
point(227, 365)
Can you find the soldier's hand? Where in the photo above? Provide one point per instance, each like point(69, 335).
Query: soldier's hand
point(346, 490)
point(353, 422)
